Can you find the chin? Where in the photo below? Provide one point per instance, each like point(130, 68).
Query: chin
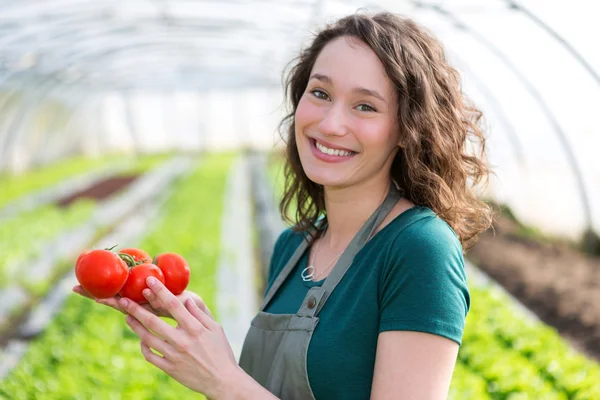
point(326, 177)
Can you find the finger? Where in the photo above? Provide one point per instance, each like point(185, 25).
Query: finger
point(172, 305)
point(153, 301)
point(202, 305)
point(201, 315)
point(149, 338)
point(111, 302)
point(81, 291)
point(148, 319)
point(151, 309)
point(155, 359)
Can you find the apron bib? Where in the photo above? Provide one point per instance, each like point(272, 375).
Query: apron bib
point(276, 346)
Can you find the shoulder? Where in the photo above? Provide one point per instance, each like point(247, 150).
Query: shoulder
point(425, 233)
point(423, 247)
point(288, 238)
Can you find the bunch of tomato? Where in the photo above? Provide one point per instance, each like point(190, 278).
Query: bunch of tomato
point(106, 273)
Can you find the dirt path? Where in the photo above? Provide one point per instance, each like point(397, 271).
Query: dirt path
point(99, 190)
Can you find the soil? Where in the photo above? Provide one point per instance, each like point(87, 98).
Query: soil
point(554, 279)
point(100, 190)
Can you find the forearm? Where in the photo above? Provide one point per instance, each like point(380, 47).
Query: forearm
point(241, 386)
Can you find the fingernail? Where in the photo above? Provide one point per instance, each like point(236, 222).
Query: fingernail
point(147, 292)
point(129, 319)
point(123, 302)
point(151, 281)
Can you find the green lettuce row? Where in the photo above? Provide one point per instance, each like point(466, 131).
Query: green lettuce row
point(467, 385)
point(14, 186)
point(24, 236)
point(88, 352)
point(507, 372)
point(491, 320)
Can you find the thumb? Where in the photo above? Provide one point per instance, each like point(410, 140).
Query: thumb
point(200, 314)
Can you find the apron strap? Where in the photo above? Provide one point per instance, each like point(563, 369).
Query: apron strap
point(357, 243)
point(320, 295)
point(285, 271)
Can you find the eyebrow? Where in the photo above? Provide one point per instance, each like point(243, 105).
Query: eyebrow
point(368, 92)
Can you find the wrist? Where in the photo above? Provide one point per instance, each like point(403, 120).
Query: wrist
point(232, 385)
point(238, 385)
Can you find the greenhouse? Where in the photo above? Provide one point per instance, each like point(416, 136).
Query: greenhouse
point(163, 126)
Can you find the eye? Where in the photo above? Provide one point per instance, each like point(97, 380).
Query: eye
point(319, 94)
point(365, 107)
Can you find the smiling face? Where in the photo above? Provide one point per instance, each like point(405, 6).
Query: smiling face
point(345, 124)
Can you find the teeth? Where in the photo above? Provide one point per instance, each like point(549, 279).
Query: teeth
point(332, 152)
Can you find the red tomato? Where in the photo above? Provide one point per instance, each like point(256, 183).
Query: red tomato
point(102, 273)
point(85, 253)
point(176, 271)
point(136, 282)
point(138, 255)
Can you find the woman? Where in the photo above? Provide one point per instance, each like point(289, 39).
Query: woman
point(367, 293)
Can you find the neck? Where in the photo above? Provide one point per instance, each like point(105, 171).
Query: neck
point(349, 208)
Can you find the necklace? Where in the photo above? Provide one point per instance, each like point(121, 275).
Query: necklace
point(309, 272)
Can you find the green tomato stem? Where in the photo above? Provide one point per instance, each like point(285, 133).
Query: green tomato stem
point(128, 259)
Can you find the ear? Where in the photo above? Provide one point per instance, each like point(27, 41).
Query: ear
point(401, 138)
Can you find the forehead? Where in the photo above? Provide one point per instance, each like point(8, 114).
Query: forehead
point(350, 63)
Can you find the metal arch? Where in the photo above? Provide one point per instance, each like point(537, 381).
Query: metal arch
point(109, 36)
point(20, 34)
point(103, 12)
point(4, 137)
point(18, 120)
point(114, 29)
point(77, 112)
point(560, 133)
point(513, 137)
point(578, 56)
point(92, 57)
point(75, 99)
point(186, 32)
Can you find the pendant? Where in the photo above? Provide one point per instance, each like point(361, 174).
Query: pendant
point(306, 275)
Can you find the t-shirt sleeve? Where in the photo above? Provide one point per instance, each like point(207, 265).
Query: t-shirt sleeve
point(424, 285)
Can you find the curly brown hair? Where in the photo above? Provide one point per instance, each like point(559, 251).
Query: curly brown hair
point(434, 166)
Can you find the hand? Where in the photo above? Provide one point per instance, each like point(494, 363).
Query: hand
point(154, 305)
point(196, 353)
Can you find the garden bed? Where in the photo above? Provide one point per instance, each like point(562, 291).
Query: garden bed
point(552, 278)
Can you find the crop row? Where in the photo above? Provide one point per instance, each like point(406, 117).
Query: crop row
point(516, 355)
point(88, 352)
point(14, 186)
point(24, 236)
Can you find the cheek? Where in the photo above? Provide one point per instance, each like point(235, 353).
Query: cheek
point(378, 135)
point(307, 113)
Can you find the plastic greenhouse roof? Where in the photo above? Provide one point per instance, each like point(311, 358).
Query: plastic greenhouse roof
point(532, 65)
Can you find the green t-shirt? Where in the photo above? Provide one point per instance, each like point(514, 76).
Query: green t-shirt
point(410, 276)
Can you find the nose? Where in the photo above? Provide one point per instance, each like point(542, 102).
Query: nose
point(334, 121)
